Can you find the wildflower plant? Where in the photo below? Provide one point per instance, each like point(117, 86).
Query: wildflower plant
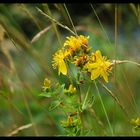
point(89, 66)
point(85, 92)
point(82, 66)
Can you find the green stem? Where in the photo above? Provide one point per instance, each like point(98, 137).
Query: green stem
point(55, 21)
point(83, 106)
point(69, 76)
point(114, 97)
point(70, 19)
point(80, 101)
point(54, 26)
point(102, 27)
point(116, 40)
point(104, 109)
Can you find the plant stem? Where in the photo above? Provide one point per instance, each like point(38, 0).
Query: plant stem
point(114, 97)
point(101, 25)
point(54, 26)
point(116, 40)
point(125, 61)
point(55, 21)
point(80, 101)
point(70, 19)
point(84, 102)
point(104, 109)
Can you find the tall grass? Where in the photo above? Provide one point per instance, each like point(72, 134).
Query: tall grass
point(25, 60)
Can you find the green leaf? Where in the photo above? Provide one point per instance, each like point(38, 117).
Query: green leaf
point(53, 92)
point(54, 105)
point(69, 108)
point(60, 89)
point(47, 94)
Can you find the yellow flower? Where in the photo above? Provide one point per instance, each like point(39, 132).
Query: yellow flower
point(83, 40)
point(67, 53)
point(72, 42)
point(75, 42)
point(69, 120)
point(67, 123)
point(136, 122)
point(47, 84)
point(58, 61)
point(99, 66)
point(71, 89)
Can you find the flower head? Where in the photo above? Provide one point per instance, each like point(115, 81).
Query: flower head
point(67, 53)
point(71, 122)
point(72, 42)
point(75, 42)
point(83, 40)
point(47, 84)
point(136, 122)
point(71, 89)
point(99, 66)
point(58, 61)
point(68, 123)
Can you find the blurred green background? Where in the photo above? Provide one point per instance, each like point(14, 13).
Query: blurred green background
point(25, 63)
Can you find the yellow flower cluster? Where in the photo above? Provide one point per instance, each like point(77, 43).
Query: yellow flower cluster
point(75, 50)
point(71, 46)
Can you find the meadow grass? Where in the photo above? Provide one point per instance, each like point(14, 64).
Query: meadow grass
point(30, 34)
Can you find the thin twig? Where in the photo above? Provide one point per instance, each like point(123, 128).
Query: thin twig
point(70, 18)
point(25, 9)
point(58, 23)
point(125, 61)
point(102, 27)
point(16, 131)
point(116, 40)
point(46, 8)
point(114, 97)
point(38, 35)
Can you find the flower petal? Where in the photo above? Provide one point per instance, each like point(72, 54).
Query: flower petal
point(62, 68)
point(105, 75)
point(95, 74)
point(98, 54)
